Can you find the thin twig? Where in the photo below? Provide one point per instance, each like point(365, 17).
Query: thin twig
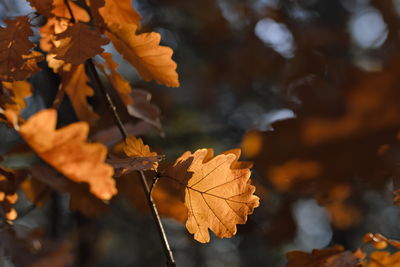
point(94, 77)
point(97, 82)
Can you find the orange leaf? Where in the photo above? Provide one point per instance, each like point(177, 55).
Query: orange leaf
point(152, 61)
point(75, 84)
point(217, 196)
point(383, 259)
point(17, 61)
point(18, 91)
point(136, 148)
point(119, 83)
point(66, 150)
point(80, 197)
point(330, 257)
point(120, 12)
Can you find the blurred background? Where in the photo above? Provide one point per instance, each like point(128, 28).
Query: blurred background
point(308, 89)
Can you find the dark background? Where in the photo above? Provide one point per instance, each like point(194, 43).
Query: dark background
point(312, 81)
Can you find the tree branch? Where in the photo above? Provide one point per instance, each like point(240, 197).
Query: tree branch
point(94, 77)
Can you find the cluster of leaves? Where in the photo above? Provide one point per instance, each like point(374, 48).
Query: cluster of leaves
point(213, 192)
point(338, 256)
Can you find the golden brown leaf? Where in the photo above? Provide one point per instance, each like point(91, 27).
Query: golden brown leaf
point(79, 43)
point(217, 196)
point(75, 85)
point(66, 150)
point(152, 61)
point(383, 259)
point(17, 61)
point(143, 109)
point(379, 241)
point(135, 148)
point(120, 12)
point(119, 83)
point(18, 91)
point(330, 257)
point(80, 197)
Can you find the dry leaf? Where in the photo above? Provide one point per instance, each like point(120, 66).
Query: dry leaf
point(119, 83)
point(18, 91)
point(217, 196)
point(330, 257)
point(143, 109)
point(383, 259)
point(80, 197)
point(136, 148)
point(379, 241)
point(66, 150)
point(17, 61)
point(123, 166)
point(152, 61)
point(140, 157)
point(120, 12)
point(79, 43)
point(75, 85)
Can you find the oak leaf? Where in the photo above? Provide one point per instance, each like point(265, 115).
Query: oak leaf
point(47, 179)
point(17, 92)
point(124, 166)
point(143, 109)
point(119, 83)
point(136, 148)
point(66, 150)
point(120, 12)
point(17, 61)
point(142, 51)
point(75, 85)
point(140, 156)
point(217, 195)
point(79, 43)
point(330, 257)
point(383, 259)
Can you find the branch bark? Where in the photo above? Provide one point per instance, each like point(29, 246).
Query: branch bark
point(94, 77)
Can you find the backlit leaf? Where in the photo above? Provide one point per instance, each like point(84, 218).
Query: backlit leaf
point(75, 85)
point(217, 194)
point(142, 51)
point(120, 12)
point(66, 150)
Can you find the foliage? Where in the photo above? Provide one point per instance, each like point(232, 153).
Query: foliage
point(82, 147)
